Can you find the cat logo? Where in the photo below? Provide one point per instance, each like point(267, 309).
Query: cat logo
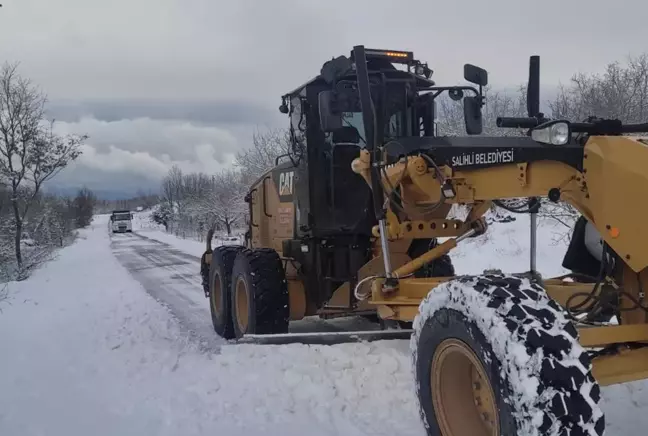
point(286, 183)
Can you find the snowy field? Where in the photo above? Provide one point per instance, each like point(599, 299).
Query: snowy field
point(85, 349)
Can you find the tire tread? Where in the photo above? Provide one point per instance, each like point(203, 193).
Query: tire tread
point(568, 396)
point(269, 290)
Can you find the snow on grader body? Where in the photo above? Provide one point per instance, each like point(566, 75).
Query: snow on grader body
point(348, 225)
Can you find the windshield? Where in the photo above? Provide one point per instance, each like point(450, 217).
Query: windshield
point(399, 124)
point(122, 217)
point(354, 119)
point(399, 115)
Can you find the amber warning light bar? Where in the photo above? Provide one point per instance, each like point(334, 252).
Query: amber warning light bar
point(396, 56)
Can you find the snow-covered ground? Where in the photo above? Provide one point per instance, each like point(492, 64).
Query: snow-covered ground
point(143, 224)
point(84, 349)
point(506, 246)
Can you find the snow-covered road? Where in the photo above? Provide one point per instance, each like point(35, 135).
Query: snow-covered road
point(172, 277)
point(87, 348)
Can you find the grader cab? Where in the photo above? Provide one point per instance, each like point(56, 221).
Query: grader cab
point(348, 224)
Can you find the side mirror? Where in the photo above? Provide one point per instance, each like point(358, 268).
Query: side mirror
point(346, 135)
point(475, 75)
point(473, 115)
point(330, 119)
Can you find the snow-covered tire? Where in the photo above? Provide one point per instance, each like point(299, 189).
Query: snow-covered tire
point(220, 279)
point(540, 375)
point(265, 310)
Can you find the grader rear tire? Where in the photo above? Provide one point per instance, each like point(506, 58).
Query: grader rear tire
point(494, 355)
point(220, 277)
point(259, 293)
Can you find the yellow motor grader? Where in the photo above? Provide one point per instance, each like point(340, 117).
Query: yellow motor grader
point(349, 224)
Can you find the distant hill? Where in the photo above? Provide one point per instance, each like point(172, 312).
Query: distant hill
point(102, 194)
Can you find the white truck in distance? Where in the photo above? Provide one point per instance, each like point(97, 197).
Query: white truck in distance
point(121, 221)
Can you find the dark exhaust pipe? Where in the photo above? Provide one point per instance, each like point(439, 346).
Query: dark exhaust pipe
point(533, 87)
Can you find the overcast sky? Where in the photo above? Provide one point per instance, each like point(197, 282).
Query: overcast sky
point(157, 82)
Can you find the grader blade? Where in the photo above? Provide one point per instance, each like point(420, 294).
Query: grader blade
point(328, 338)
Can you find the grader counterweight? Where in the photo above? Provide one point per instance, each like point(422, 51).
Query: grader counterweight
point(348, 224)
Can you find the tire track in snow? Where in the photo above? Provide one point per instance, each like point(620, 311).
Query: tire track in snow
point(172, 277)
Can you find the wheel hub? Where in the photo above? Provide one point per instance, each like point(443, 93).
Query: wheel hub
point(241, 305)
point(462, 396)
point(216, 295)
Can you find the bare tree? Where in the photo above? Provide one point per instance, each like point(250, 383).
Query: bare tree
point(30, 152)
point(259, 158)
point(202, 202)
point(51, 221)
point(172, 185)
point(218, 203)
point(163, 215)
point(83, 207)
point(620, 92)
point(226, 198)
point(6, 230)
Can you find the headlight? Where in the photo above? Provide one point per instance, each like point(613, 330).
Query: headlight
point(552, 132)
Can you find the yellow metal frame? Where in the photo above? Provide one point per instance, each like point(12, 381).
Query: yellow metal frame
point(612, 165)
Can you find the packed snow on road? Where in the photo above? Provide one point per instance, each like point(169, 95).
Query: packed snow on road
point(101, 342)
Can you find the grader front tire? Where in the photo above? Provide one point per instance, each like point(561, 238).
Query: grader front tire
point(494, 355)
point(259, 293)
